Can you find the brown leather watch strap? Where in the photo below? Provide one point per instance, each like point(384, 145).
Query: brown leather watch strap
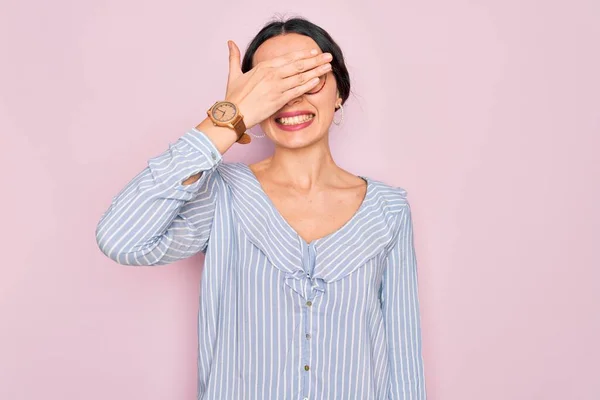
point(240, 129)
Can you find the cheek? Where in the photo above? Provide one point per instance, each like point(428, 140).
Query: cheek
point(326, 105)
point(324, 101)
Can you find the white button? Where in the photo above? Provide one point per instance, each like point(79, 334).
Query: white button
point(306, 398)
point(214, 156)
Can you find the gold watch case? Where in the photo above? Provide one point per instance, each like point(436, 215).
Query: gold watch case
point(226, 114)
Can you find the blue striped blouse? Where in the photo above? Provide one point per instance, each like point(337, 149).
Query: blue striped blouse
point(279, 318)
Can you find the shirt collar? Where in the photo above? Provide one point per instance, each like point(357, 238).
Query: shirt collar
point(366, 234)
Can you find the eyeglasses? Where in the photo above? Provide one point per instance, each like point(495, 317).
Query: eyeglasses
point(317, 89)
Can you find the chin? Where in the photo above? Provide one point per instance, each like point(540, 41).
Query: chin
point(296, 139)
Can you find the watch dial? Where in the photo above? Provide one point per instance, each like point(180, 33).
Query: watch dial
point(224, 111)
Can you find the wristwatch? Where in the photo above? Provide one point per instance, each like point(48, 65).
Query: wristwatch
point(227, 114)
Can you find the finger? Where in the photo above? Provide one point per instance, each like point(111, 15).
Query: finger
point(302, 65)
point(299, 90)
point(291, 57)
point(304, 77)
point(235, 68)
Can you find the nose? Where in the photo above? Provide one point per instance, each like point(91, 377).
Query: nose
point(295, 100)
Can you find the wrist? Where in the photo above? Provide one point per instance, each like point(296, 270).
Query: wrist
point(226, 113)
point(208, 126)
point(243, 109)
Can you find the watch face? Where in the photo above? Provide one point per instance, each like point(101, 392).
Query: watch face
point(224, 111)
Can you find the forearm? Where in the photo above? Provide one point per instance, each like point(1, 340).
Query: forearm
point(222, 137)
point(143, 224)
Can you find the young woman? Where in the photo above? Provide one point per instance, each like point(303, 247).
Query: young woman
point(309, 289)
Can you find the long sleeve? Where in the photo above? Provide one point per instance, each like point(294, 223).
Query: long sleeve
point(400, 305)
point(155, 219)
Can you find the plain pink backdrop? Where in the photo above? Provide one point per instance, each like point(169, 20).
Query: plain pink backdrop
point(487, 113)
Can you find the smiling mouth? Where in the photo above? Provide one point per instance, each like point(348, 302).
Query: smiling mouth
point(296, 120)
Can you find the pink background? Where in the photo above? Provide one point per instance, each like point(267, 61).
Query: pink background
point(487, 113)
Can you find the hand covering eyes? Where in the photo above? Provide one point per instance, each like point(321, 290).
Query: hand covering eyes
point(320, 85)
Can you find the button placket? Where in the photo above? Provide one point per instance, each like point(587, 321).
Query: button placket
point(308, 263)
point(306, 348)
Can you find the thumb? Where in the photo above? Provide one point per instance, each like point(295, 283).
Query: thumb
point(235, 68)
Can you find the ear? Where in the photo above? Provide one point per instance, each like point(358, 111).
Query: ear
point(338, 101)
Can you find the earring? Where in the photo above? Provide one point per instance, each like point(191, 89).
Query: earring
point(341, 119)
point(252, 133)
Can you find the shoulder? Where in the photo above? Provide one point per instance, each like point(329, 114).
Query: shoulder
point(238, 178)
point(390, 205)
point(392, 198)
point(398, 211)
point(231, 171)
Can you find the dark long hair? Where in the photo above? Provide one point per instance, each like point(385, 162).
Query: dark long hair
point(304, 27)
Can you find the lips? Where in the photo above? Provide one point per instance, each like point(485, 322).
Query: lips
point(293, 114)
point(295, 127)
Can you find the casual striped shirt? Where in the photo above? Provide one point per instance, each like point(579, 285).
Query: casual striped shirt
point(279, 318)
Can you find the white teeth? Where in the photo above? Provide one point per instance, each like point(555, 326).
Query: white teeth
point(298, 119)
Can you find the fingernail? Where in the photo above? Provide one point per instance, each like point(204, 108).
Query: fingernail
point(229, 44)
